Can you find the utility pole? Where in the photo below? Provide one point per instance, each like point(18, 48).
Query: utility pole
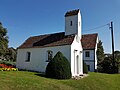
point(111, 27)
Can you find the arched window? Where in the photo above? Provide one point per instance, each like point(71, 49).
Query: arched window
point(49, 55)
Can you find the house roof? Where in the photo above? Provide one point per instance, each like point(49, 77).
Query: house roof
point(72, 13)
point(59, 39)
point(48, 40)
point(89, 41)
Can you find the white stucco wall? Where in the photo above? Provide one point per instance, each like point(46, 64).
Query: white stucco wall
point(79, 24)
point(39, 57)
point(96, 53)
point(76, 25)
point(71, 29)
point(76, 49)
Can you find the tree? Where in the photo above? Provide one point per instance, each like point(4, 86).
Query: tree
point(117, 60)
point(58, 67)
point(107, 64)
point(3, 40)
point(100, 54)
point(11, 54)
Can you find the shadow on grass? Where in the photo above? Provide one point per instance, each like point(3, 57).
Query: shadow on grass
point(36, 72)
point(41, 74)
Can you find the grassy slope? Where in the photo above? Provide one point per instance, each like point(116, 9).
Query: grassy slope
point(22, 80)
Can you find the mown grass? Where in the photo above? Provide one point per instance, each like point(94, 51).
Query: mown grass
point(23, 80)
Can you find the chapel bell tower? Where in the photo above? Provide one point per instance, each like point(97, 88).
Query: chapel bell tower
point(73, 23)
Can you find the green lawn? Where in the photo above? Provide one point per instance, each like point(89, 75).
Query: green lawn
point(23, 80)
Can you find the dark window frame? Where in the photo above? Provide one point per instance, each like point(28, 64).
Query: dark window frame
point(87, 54)
point(28, 56)
point(71, 23)
point(49, 55)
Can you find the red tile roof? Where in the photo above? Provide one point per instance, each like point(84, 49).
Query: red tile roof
point(48, 40)
point(89, 41)
point(71, 13)
point(58, 39)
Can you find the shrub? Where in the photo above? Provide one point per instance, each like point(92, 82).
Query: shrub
point(85, 68)
point(58, 67)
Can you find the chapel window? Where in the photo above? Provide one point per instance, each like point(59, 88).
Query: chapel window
point(71, 23)
point(49, 55)
point(28, 55)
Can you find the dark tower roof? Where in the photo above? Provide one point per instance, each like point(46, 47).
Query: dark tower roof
point(72, 13)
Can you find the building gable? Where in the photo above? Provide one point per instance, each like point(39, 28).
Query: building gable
point(89, 41)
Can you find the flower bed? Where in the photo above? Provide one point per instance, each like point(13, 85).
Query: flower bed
point(4, 67)
point(8, 69)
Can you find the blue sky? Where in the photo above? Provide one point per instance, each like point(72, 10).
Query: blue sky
point(25, 18)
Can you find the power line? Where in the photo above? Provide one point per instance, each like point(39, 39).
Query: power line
point(108, 24)
point(97, 27)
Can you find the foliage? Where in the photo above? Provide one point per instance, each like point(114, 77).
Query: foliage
point(100, 54)
point(85, 68)
point(117, 60)
point(8, 63)
point(107, 64)
point(6, 66)
point(59, 67)
point(5, 52)
point(3, 40)
point(11, 54)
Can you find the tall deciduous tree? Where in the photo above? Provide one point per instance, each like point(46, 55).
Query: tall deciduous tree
point(3, 40)
point(100, 54)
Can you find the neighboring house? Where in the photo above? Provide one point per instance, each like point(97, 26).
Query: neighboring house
point(89, 44)
point(35, 53)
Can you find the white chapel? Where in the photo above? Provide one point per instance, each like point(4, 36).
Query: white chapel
point(36, 52)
